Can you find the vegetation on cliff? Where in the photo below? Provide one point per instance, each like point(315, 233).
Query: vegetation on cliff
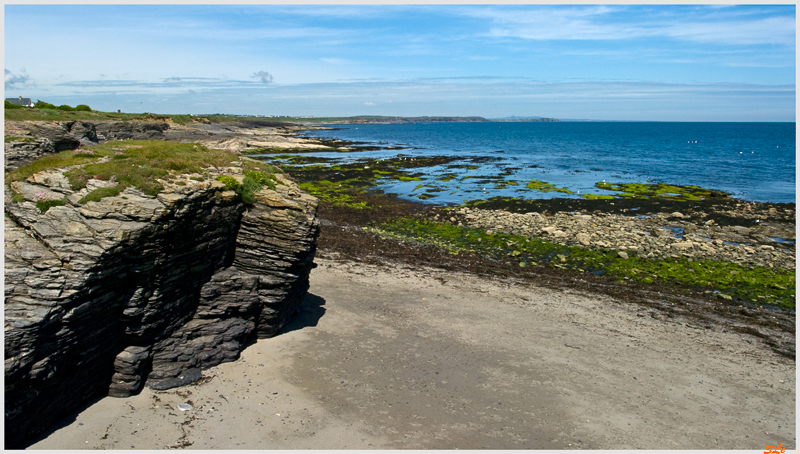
point(143, 165)
point(44, 111)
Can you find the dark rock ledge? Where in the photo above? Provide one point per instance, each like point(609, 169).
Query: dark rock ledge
point(106, 297)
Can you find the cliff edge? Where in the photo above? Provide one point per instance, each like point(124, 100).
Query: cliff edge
point(105, 296)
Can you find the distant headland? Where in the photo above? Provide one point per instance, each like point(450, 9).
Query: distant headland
point(376, 119)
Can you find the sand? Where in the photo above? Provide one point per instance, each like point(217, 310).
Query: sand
point(393, 357)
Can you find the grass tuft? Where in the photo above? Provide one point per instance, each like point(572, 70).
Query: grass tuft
point(44, 205)
point(100, 193)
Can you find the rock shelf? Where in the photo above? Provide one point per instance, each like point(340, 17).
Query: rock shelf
point(657, 235)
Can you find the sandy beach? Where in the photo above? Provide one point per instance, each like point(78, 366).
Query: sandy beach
point(397, 357)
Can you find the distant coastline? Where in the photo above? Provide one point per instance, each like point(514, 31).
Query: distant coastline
point(364, 119)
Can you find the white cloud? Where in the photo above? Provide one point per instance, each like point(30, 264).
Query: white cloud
point(336, 61)
point(771, 30)
point(607, 23)
point(370, 104)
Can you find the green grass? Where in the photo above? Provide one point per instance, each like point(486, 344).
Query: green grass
point(100, 193)
point(9, 139)
point(49, 112)
point(253, 182)
point(753, 284)
point(44, 205)
point(137, 164)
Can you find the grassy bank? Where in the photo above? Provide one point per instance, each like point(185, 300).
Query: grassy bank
point(142, 164)
point(55, 114)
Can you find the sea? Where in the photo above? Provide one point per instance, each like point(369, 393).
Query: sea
point(750, 161)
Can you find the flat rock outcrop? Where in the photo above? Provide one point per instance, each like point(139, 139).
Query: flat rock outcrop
point(35, 139)
point(769, 244)
point(107, 296)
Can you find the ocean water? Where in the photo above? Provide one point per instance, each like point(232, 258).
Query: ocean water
point(751, 161)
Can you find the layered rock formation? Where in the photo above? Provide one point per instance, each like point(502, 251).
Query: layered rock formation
point(103, 297)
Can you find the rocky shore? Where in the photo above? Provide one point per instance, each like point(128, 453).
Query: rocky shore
point(769, 243)
point(105, 296)
point(38, 138)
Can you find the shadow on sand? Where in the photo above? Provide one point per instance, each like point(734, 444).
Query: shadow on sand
point(311, 310)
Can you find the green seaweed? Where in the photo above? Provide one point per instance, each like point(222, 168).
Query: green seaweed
point(408, 178)
point(661, 190)
point(542, 186)
point(755, 284)
point(597, 196)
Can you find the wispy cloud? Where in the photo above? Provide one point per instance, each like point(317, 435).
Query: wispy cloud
point(166, 85)
point(771, 30)
point(614, 23)
point(16, 80)
point(336, 61)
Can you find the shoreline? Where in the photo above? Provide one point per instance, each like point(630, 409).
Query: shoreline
point(421, 358)
point(506, 172)
point(349, 251)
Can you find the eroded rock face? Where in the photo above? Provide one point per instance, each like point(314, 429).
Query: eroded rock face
point(39, 138)
point(104, 297)
point(20, 153)
point(133, 130)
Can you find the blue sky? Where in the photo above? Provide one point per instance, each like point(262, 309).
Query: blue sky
point(603, 62)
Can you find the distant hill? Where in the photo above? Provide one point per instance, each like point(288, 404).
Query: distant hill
point(515, 118)
point(376, 119)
